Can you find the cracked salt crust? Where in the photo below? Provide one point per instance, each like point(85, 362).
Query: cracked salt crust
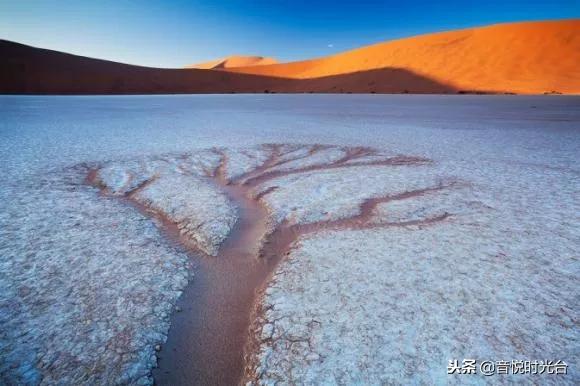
point(498, 281)
point(431, 204)
point(311, 156)
point(201, 163)
point(498, 278)
point(241, 161)
point(380, 306)
point(87, 285)
point(317, 328)
point(200, 210)
point(338, 193)
point(179, 189)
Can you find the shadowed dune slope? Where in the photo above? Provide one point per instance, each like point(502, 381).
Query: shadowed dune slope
point(530, 57)
point(382, 80)
point(29, 70)
point(234, 61)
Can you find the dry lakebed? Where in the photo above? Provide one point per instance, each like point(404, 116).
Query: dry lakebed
point(319, 239)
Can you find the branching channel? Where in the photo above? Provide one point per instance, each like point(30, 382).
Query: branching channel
point(214, 203)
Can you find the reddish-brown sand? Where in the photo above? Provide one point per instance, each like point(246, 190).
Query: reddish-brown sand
point(233, 62)
point(523, 58)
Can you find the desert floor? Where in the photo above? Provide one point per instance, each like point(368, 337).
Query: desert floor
point(302, 239)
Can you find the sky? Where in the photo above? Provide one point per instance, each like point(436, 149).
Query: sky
point(176, 33)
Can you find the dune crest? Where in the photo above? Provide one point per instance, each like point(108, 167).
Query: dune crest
point(234, 62)
point(527, 58)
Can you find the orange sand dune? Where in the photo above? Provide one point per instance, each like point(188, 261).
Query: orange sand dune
point(30, 70)
point(530, 57)
point(235, 61)
point(536, 57)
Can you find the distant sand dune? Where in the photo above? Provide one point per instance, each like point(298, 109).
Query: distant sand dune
point(523, 58)
point(234, 61)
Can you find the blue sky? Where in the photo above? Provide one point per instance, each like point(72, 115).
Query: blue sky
point(176, 33)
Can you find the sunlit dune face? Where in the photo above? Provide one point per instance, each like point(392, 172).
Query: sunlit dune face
point(234, 62)
point(532, 57)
